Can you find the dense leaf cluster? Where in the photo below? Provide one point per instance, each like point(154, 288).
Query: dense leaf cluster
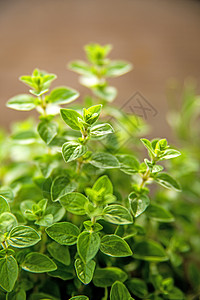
point(77, 220)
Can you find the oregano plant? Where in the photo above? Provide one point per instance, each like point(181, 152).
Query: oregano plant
point(78, 219)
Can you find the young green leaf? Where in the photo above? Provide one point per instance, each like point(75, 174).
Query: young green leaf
point(85, 271)
point(7, 221)
point(72, 151)
point(104, 160)
point(62, 95)
point(8, 273)
point(74, 203)
point(23, 236)
point(90, 226)
point(101, 130)
point(119, 291)
point(107, 93)
point(117, 68)
point(63, 233)
point(61, 185)
point(158, 213)
point(59, 252)
point(92, 114)
point(103, 186)
point(105, 277)
point(167, 181)
point(170, 153)
point(138, 287)
point(117, 214)
point(128, 164)
point(150, 251)
point(38, 263)
point(148, 146)
point(80, 67)
point(88, 245)
point(7, 193)
point(22, 102)
point(138, 203)
point(47, 131)
point(114, 245)
point(71, 118)
point(4, 207)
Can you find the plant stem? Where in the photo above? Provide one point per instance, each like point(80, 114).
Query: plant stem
point(43, 241)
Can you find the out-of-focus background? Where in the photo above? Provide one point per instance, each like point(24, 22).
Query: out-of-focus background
point(160, 37)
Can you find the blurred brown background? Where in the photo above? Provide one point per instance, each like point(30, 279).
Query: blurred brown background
point(161, 38)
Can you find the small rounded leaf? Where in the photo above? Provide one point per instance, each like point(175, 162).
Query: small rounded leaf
point(114, 245)
point(8, 273)
point(23, 236)
point(63, 233)
point(38, 263)
point(88, 245)
point(22, 102)
point(117, 214)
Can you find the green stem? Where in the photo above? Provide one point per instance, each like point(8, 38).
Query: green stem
point(43, 242)
point(106, 294)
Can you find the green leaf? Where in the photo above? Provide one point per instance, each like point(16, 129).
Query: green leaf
point(117, 214)
point(117, 68)
point(38, 263)
point(59, 252)
point(170, 153)
point(103, 186)
point(149, 251)
point(63, 233)
point(62, 272)
point(119, 291)
point(101, 130)
point(61, 185)
point(137, 287)
point(25, 137)
point(79, 298)
point(71, 118)
point(47, 131)
point(138, 203)
point(167, 181)
point(88, 245)
point(128, 164)
point(148, 145)
point(22, 102)
point(104, 160)
point(158, 213)
point(92, 114)
point(16, 295)
point(62, 95)
point(107, 93)
point(85, 271)
point(107, 276)
point(96, 53)
point(4, 207)
point(74, 203)
point(46, 220)
point(72, 151)
point(114, 245)
point(8, 272)
point(7, 221)
point(7, 193)
point(80, 67)
point(90, 226)
point(26, 209)
point(23, 236)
